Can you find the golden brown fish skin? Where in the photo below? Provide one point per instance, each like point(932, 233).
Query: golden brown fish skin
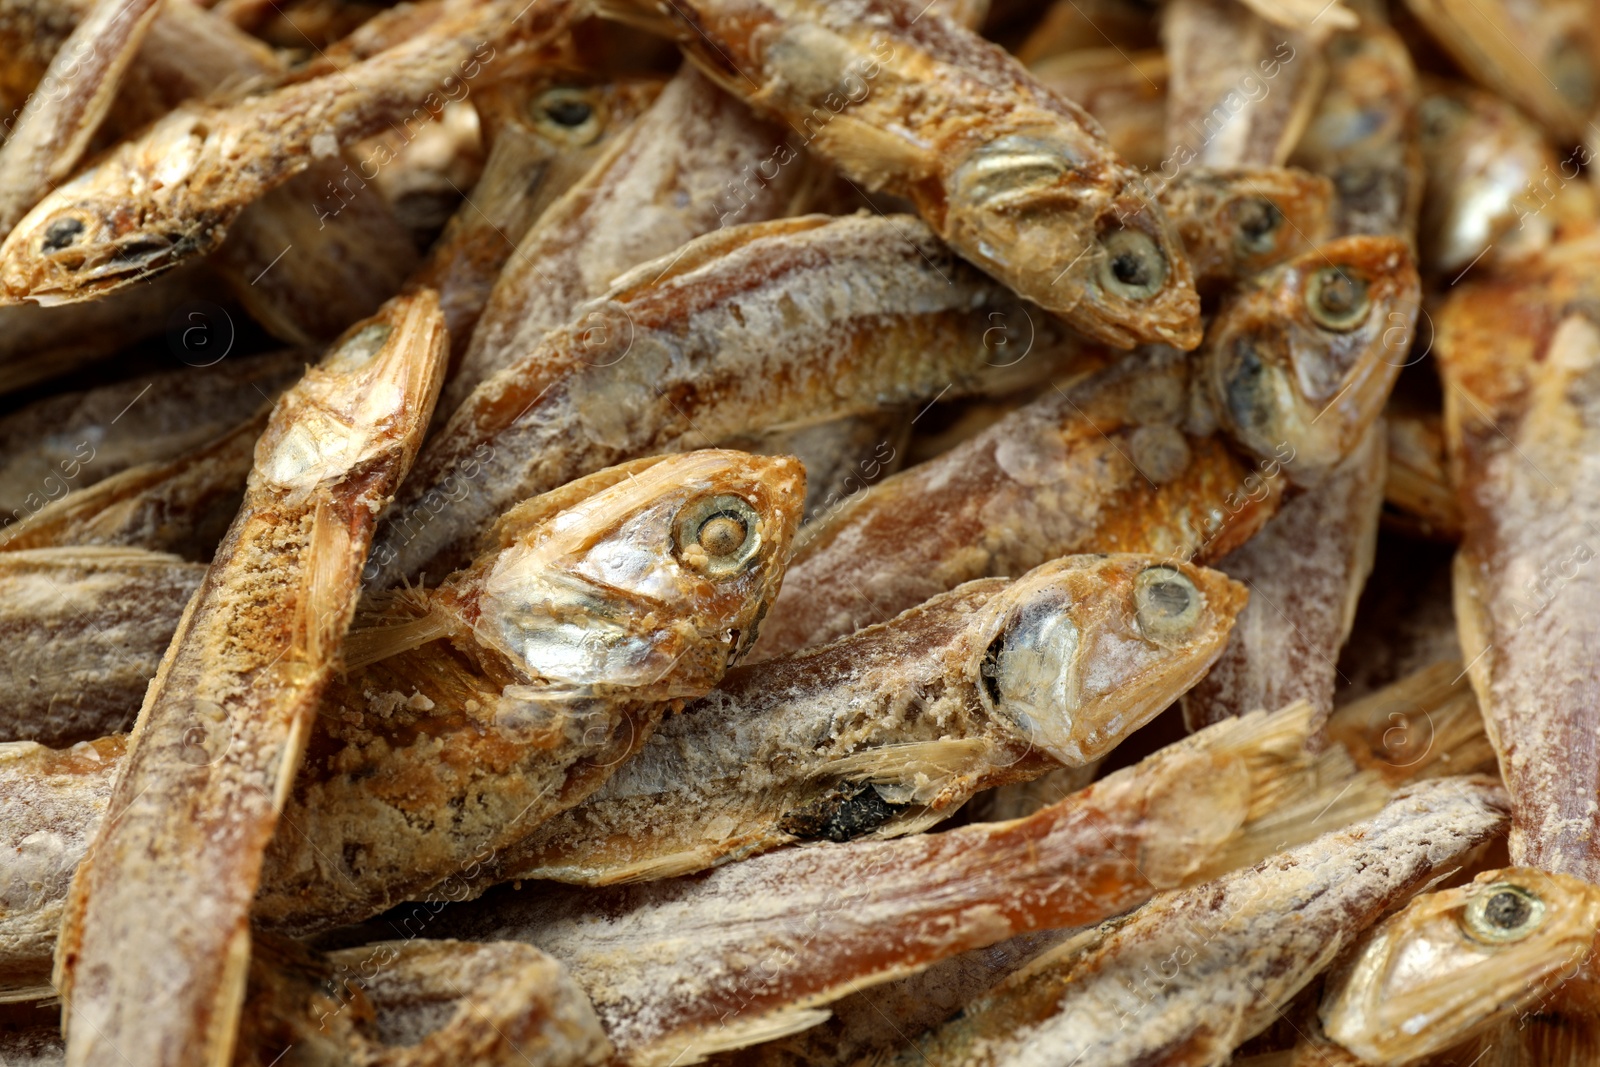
point(1240, 89)
point(1126, 94)
point(749, 951)
point(66, 108)
point(1323, 336)
point(544, 132)
point(841, 456)
point(1454, 963)
point(86, 628)
point(1496, 188)
point(1195, 972)
point(1364, 133)
point(896, 726)
point(160, 980)
point(516, 718)
point(71, 440)
point(1108, 463)
point(754, 326)
point(1016, 178)
point(182, 505)
point(696, 161)
point(1305, 571)
point(389, 1004)
point(1238, 221)
point(1519, 354)
point(50, 804)
point(1539, 56)
point(171, 193)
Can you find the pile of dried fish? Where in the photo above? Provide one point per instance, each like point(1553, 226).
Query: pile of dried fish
point(799, 532)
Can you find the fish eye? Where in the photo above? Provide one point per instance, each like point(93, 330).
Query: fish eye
point(719, 535)
point(1166, 603)
point(1259, 220)
point(1337, 299)
point(567, 114)
point(1245, 391)
point(63, 232)
point(1502, 913)
point(1132, 266)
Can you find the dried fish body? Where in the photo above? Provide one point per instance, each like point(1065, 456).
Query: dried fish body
point(72, 440)
point(1453, 964)
point(749, 327)
point(1126, 94)
point(1015, 178)
point(1364, 133)
point(153, 951)
point(85, 629)
point(605, 605)
point(894, 727)
point(1241, 90)
point(171, 193)
point(182, 505)
point(749, 951)
point(1495, 187)
point(1541, 56)
point(415, 1004)
point(1238, 221)
point(67, 106)
point(1195, 972)
point(51, 802)
point(545, 132)
point(1305, 571)
point(696, 161)
point(1119, 461)
point(1426, 725)
point(1519, 354)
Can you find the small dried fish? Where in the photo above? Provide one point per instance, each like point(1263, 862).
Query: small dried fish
point(1456, 962)
point(748, 952)
point(1305, 571)
point(67, 106)
point(744, 329)
point(1014, 177)
point(154, 951)
point(841, 456)
point(1541, 56)
point(1238, 221)
point(171, 193)
point(1241, 90)
point(86, 628)
point(51, 804)
point(695, 161)
point(545, 133)
point(1126, 94)
point(1121, 461)
point(602, 607)
point(891, 729)
point(1192, 974)
point(71, 440)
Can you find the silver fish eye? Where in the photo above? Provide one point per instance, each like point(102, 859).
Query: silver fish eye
point(1259, 220)
point(718, 536)
point(1166, 603)
point(1337, 299)
point(1132, 265)
point(1502, 913)
point(63, 232)
point(567, 114)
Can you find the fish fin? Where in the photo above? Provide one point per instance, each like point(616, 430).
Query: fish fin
point(735, 1034)
point(369, 645)
point(924, 768)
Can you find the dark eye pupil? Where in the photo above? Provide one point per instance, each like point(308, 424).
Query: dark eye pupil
point(1260, 218)
point(1338, 293)
point(1169, 598)
point(62, 233)
point(1130, 269)
point(1507, 910)
point(569, 113)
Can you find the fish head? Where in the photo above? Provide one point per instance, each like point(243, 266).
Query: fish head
point(1300, 362)
point(1082, 237)
point(1452, 962)
point(646, 580)
point(1237, 222)
point(111, 225)
point(1082, 651)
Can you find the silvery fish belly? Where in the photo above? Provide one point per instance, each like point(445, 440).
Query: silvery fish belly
point(894, 727)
